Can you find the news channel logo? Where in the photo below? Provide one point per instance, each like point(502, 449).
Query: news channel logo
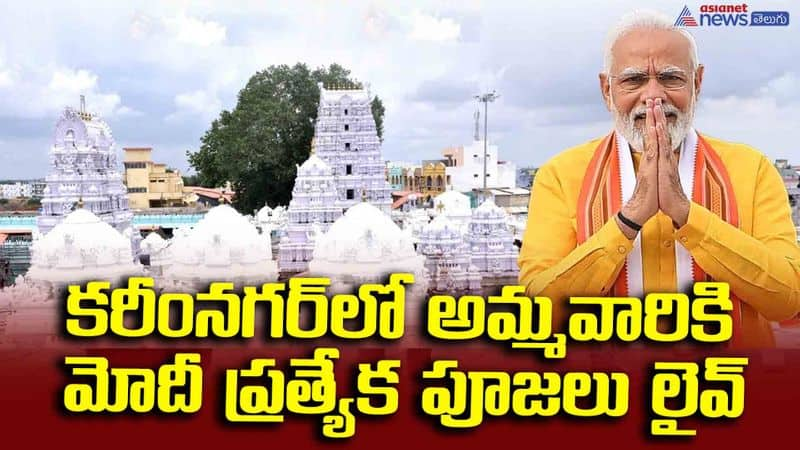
point(731, 15)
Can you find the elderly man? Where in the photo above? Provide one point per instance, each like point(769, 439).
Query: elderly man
point(655, 206)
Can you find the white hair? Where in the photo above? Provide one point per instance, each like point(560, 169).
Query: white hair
point(644, 19)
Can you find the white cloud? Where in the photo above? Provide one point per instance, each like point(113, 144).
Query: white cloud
point(198, 103)
point(762, 121)
point(44, 91)
point(179, 28)
point(125, 111)
point(5, 78)
point(375, 23)
point(425, 27)
point(72, 80)
point(190, 30)
point(141, 26)
point(767, 119)
point(6, 75)
point(67, 85)
point(786, 86)
point(184, 61)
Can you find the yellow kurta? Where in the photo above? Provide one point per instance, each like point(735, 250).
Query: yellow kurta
point(760, 260)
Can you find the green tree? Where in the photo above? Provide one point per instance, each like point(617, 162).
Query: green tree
point(192, 180)
point(258, 144)
point(33, 203)
point(377, 112)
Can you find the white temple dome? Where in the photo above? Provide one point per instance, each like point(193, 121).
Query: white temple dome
point(345, 96)
point(273, 216)
point(453, 204)
point(488, 209)
point(447, 258)
point(153, 243)
point(441, 228)
point(364, 244)
point(76, 128)
point(313, 209)
point(79, 248)
point(264, 214)
point(438, 224)
point(223, 246)
point(314, 165)
point(83, 165)
point(491, 243)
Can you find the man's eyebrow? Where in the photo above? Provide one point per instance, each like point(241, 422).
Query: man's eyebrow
point(632, 71)
point(671, 69)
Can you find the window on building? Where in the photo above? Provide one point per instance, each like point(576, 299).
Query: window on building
point(474, 175)
point(348, 169)
point(350, 194)
point(347, 146)
point(345, 111)
point(346, 127)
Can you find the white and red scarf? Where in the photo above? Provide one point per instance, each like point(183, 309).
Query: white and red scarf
point(609, 182)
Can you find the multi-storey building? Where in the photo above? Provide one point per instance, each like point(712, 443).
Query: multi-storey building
point(151, 184)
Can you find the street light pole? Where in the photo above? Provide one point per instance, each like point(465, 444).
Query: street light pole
point(485, 99)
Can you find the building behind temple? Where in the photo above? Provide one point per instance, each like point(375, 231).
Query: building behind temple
point(467, 172)
point(83, 168)
point(151, 184)
point(525, 176)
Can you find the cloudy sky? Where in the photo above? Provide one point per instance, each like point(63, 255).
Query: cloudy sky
point(160, 71)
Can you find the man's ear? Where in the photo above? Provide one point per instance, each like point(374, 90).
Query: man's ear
point(698, 79)
point(605, 90)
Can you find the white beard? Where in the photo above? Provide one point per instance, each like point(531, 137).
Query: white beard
point(626, 125)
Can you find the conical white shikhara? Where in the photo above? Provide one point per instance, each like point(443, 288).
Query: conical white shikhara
point(683, 259)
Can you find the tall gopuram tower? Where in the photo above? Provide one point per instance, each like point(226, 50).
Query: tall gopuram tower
point(312, 210)
point(83, 168)
point(347, 140)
